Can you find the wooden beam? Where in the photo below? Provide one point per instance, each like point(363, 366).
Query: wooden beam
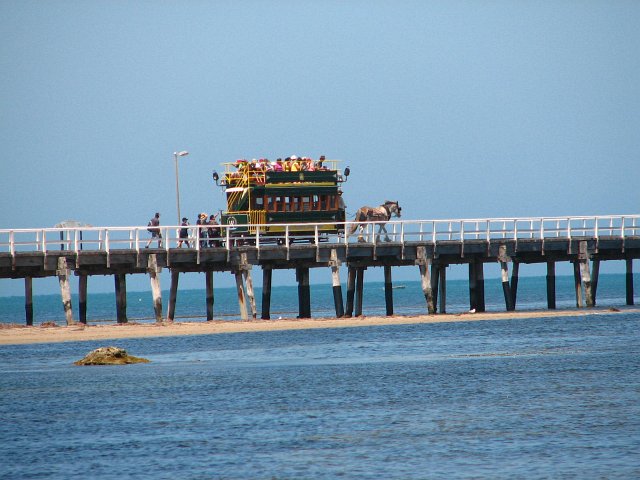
point(351, 290)
point(65, 289)
point(514, 283)
point(266, 293)
point(337, 286)
point(121, 297)
point(443, 289)
point(551, 285)
point(28, 300)
point(629, 281)
point(242, 302)
point(388, 290)
point(82, 300)
point(359, 290)
point(425, 279)
point(208, 277)
point(435, 284)
point(304, 295)
point(595, 274)
point(248, 281)
point(173, 295)
point(156, 291)
point(578, 284)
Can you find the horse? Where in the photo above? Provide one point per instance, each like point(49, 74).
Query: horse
point(382, 213)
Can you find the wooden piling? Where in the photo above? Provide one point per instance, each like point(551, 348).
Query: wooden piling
point(595, 274)
point(208, 277)
point(156, 291)
point(242, 302)
point(304, 294)
point(337, 286)
point(351, 290)
point(504, 269)
point(388, 290)
point(425, 279)
point(629, 281)
point(435, 284)
point(266, 293)
point(28, 300)
point(121, 297)
point(551, 285)
point(82, 298)
point(443, 289)
point(65, 289)
point(577, 283)
point(173, 295)
point(476, 286)
point(514, 283)
point(248, 281)
point(359, 290)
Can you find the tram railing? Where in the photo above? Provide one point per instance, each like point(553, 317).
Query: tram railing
point(108, 239)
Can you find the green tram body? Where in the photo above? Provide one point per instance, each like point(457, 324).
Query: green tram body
point(269, 198)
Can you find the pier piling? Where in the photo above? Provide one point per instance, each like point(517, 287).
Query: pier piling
point(82, 300)
point(121, 297)
point(208, 275)
point(335, 282)
point(65, 289)
point(156, 291)
point(629, 281)
point(351, 290)
point(242, 302)
point(359, 290)
point(173, 295)
point(304, 293)
point(266, 293)
point(388, 290)
point(551, 285)
point(28, 300)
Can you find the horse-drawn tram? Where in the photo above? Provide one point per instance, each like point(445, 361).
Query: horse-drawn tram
point(264, 195)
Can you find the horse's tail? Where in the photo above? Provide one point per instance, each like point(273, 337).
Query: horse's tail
point(357, 218)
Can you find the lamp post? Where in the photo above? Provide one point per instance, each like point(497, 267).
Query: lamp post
point(175, 157)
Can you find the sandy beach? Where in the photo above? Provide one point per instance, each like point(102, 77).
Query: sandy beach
point(17, 334)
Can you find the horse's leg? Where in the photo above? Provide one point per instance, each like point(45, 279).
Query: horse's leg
point(383, 228)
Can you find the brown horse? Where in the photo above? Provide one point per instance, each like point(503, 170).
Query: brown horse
point(382, 213)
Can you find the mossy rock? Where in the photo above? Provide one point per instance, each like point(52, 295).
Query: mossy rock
point(110, 356)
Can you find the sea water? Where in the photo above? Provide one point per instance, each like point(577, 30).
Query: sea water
point(408, 300)
point(518, 398)
point(515, 398)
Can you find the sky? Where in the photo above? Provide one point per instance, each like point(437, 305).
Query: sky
point(457, 109)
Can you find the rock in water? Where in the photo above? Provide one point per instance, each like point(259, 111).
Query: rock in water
point(110, 356)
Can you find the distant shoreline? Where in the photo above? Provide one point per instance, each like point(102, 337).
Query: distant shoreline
point(20, 335)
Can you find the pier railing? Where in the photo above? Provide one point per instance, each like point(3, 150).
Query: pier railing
point(106, 239)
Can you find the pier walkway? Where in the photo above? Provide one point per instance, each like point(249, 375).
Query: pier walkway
point(431, 245)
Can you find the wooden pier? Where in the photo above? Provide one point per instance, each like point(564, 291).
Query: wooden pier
point(428, 245)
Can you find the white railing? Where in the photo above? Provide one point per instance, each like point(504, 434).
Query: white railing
point(109, 239)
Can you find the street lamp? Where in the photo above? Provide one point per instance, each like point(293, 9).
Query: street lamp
point(175, 157)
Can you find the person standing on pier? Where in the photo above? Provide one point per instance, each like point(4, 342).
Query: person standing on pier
point(154, 229)
point(184, 233)
point(202, 232)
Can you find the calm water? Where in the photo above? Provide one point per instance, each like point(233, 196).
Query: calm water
point(536, 398)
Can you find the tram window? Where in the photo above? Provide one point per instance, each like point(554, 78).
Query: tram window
point(306, 204)
point(332, 202)
point(258, 203)
point(323, 202)
point(287, 204)
point(270, 204)
point(295, 204)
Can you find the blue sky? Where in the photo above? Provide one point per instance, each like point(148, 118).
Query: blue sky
point(458, 109)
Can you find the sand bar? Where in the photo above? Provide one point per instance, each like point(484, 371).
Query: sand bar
point(17, 334)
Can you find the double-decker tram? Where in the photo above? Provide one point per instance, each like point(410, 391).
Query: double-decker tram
point(263, 195)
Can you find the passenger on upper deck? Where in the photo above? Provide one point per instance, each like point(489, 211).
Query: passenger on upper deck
point(278, 167)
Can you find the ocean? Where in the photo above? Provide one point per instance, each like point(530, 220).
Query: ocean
point(407, 295)
point(516, 398)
